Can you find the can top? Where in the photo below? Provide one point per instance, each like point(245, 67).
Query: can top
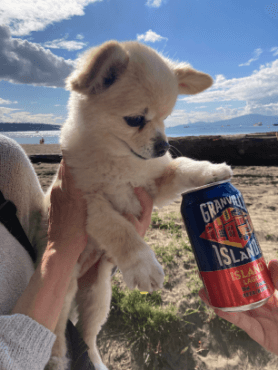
point(207, 186)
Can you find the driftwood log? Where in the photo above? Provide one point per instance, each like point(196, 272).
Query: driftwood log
point(236, 150)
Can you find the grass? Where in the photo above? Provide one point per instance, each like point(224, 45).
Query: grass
point(166, 224)
point(150, 324)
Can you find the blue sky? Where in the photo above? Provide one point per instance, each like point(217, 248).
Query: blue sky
point(235, 41)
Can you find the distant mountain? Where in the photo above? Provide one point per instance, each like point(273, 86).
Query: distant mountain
point(249, 119)
point(8, 127)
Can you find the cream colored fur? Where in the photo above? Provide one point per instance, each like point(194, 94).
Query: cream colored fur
point(108, 158)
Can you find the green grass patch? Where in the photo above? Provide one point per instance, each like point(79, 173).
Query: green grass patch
point(166, 255)
point(141, 316)
point(168, 224)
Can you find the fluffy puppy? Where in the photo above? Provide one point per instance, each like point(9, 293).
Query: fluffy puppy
point(113, 141)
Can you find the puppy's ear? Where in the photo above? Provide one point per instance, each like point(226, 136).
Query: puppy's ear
point(99, 69)
point(191, 81)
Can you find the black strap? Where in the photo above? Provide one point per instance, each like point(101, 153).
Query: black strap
point(9, 219)
point(77, 348)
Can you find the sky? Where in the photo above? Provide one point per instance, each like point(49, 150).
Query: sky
point(235, 41)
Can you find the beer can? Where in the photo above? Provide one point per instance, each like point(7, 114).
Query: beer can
point(227, 252)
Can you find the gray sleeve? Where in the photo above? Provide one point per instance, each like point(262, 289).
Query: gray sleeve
point(24, 343)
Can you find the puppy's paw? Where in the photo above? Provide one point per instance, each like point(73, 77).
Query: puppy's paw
point(100, 367)
point(143, 271)
point(95, 357)
point(217, 172)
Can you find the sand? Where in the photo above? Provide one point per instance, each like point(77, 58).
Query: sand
point(222, 350)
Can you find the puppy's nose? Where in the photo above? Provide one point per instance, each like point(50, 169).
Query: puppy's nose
point(160, 148)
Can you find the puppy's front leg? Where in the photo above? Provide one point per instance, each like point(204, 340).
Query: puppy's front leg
point(121, 242)
point(93, 307)
point(184, 173)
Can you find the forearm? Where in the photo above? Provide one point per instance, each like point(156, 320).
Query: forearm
point(44, 296)
point(25, 344)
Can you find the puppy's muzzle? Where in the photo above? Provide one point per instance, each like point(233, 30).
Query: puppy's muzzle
point(160, 148)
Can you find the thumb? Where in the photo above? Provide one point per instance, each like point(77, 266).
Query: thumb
point(273, 268)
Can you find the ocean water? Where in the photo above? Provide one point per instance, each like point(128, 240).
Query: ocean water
point(218, 129)
point(33, 137)
point(52, 137)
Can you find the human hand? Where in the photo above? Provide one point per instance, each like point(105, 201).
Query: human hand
point(67, 215)
point(141, 225)
point(261, 324)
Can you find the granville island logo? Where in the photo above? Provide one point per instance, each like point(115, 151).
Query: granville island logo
point(233, 227)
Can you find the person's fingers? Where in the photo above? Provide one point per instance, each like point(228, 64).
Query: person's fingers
point(146, 204)
point(131, 218)
point(67, 181)
point(203, 296)
point(273, 268)
point(140, 228)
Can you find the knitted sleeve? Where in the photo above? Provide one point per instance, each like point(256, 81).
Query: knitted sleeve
point(24, 343)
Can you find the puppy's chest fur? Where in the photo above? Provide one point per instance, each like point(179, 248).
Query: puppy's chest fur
point(115, 180)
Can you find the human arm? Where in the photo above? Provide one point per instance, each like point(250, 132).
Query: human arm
point(261, 324)
point(43, 298)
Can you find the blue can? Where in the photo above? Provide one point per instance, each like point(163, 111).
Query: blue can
point(225, 246)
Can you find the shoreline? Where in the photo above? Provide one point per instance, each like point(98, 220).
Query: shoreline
point(260, 149)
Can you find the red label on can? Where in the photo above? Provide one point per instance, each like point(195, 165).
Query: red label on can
point(238, 286)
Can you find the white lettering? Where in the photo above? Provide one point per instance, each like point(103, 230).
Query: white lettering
point(211, 209)
point(250, 251)
point(241, 202)
point(223, 252)
point(254, 247)
point(217, 206)
point(223, 202)
point(233, 257)
point(217, 255)
point(243, 256)
point(205, 214)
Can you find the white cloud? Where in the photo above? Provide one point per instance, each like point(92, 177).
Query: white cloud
point(150, 36)
point(26, 16)
point(65, 44)
point(257, 54)
point(16, 115)
point(154, 3)
point(184, 117)
point(261, 85)
point(79, 36)
point(3, 101)
point(274, 51)
point(257, 93)
point(29, 63)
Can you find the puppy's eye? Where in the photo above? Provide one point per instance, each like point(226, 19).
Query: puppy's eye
point(138, 121)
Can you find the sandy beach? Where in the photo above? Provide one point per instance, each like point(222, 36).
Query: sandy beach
point(222, 349)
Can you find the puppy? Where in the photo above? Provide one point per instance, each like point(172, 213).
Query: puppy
point(114, 141)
